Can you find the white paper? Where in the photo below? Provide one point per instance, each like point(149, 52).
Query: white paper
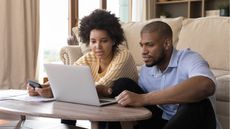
point(21, 95)
point(11, 93)
point(31, 98)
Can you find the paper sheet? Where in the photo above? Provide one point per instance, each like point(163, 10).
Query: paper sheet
point(11, 93)
point(21, 95)
point(31, 98)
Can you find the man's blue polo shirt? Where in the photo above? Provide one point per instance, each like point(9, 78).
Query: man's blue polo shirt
point(183, 64)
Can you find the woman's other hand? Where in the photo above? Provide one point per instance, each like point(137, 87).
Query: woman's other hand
point(31, 90)
point(45, 91)
point(104, 90)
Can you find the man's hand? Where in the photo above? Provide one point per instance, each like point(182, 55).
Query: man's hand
point(127, 98)
point(104, 90)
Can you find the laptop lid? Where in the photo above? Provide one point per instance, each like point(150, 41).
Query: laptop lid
point(73, 84)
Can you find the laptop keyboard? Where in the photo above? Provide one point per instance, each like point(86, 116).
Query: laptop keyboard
point(104, 101)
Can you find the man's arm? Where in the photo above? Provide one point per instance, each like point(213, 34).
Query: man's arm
point(191, 90)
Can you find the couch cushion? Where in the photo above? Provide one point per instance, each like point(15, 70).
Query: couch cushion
point(222, 110)
point(222, 89)
point(222, 100)
point(219, 72)
point(132, 34)
point(210, 37)
point(84, 48)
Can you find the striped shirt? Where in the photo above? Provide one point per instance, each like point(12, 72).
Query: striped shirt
point(122, 65)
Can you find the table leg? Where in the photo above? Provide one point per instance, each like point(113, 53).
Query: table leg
point(127, 125)
point(20, 122)
point(94, 125)
point(23, 117)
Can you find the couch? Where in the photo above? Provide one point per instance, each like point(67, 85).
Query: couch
point(208, 35)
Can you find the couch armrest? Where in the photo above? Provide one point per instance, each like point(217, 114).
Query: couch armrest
point(69, 54)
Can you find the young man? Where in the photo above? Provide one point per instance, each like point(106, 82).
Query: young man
point(176, 84)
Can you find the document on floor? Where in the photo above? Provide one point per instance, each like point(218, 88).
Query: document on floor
point(21, 95)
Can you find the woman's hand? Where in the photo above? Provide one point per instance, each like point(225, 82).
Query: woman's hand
point(31, 90)
point(45, 91)
point(104, 90)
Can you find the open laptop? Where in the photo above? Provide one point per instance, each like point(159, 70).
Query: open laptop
point(74, 84)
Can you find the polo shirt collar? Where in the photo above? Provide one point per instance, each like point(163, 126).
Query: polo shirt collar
point(172, 63)
point(174, 59)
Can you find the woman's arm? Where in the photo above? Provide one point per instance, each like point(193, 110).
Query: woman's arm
point(121, 66)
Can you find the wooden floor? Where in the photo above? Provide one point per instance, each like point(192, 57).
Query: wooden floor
point(9, 121)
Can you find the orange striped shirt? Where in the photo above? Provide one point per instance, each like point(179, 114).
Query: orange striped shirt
point(122, 65)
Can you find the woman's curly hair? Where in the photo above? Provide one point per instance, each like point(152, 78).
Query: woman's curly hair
point(102, 20)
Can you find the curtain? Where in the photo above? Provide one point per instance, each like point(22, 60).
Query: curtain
point(19, 41)
point(142, 10)
point(148, 7)
point(137, 10)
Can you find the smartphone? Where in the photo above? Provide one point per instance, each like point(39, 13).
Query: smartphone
point(34, 84)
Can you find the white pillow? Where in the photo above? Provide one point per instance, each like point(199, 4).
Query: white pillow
point(209, 36)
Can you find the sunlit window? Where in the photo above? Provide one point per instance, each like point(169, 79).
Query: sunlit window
point(137, 10)
point(120, 8)
point(87, 6)
point(53, 31)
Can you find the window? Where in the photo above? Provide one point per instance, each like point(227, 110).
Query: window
point(53, 31)
point(87, 6)
point(120, 8)
point(137, 10)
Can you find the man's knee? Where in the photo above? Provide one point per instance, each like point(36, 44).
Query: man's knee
point(123, 81)
point(200, 106)
point(193, 115)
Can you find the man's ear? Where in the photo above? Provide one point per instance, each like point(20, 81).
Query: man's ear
point(167, 43)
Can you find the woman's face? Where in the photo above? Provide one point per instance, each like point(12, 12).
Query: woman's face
point(101, 44)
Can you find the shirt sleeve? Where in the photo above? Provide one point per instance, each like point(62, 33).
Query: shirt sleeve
point(122, 65)
point(195, 65)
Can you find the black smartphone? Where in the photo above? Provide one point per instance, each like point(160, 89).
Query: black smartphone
point(34, 84)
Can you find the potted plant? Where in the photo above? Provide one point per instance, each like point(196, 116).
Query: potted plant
point(164, 14)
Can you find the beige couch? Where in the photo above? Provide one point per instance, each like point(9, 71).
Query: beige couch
point(209, 36)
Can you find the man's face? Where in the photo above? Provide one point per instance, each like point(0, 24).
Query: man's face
point(153, 52)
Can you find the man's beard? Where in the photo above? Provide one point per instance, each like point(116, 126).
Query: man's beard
point(158, 60)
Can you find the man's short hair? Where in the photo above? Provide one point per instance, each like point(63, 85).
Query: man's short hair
point(161, 28)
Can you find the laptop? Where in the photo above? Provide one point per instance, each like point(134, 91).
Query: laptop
point(74, 84)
